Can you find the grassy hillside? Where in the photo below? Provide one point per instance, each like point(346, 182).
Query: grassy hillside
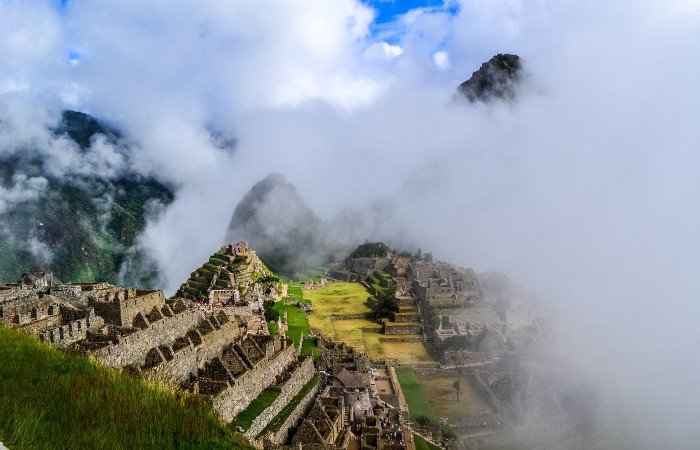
point(52, 399)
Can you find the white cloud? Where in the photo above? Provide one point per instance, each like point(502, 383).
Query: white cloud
point(442, 59)
point(391, 51)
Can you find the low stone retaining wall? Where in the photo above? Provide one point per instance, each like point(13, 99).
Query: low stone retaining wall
point(416, 367)
point(483, 390)
point(402, 329)
point(368, 315)
point(290, 388)
point(406, 302)
point(406, 317)
point(402, 339)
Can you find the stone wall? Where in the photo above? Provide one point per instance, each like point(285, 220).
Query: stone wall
point(406, 317)
point(280, 436)
point(301, 375)
point(132, 349)
point(244, 311)
point(402, 339)
point(187, 356)
point(368, 315)
point(483, 390)
point(402, 329)
point(121, 307)
point(366, 266)
point(37, 326)
point(251, 383)
point(66, 334)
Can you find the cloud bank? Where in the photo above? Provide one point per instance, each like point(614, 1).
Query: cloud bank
point(585, 189)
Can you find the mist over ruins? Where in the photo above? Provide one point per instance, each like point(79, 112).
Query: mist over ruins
point(357, 224)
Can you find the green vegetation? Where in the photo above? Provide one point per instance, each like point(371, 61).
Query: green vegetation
point(297, 320)
point(295, 293)
point(339, 298)
point(310, 347)
point(371, 250)
point(422, 444)
point(416, 398)
point(256, 407)
point(279, 419)
point(53, 399)
point(271, 314)
point(90, 237)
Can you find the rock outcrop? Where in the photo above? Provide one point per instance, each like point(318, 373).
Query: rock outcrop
point(496, 79)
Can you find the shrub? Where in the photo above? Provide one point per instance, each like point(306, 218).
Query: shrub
point(423, 421)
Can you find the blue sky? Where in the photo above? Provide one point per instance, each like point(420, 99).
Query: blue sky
point(388, 10)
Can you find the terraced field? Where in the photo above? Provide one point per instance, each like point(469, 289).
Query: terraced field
point(364, 334)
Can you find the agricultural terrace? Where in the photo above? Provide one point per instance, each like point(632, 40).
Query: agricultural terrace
point(391, 349)
point(256, 407)
point(363, 334)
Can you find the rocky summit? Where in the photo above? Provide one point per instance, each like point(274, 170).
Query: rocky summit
point(497, 78)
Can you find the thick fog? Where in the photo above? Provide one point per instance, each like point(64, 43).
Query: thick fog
point(584, 189)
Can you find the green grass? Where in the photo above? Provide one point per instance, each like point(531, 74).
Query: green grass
point(310, 347)
point(422, 444)
point(256, 407)
point(297, 323)
point(277, 421)
point(295, 293)
point(415, 396)
point(383, 274)
point(335, 298)
point(442, 395)
point(52, 399)
point(339, 298)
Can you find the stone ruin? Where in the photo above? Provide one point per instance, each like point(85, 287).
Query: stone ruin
point(349, 412)
point(443, 285)
point(209, 353)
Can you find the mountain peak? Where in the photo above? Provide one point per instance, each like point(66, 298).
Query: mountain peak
point(496, 79)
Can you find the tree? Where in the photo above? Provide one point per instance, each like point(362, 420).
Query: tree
point(387, 305)
point(459, 357)
point(270, 314)
point(419, 255)
point(428, 257)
